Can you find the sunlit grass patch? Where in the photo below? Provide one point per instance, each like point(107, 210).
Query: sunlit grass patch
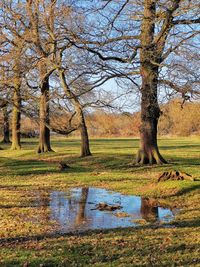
point(24, 175)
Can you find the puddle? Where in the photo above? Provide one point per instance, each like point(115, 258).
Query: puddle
point(76, 210)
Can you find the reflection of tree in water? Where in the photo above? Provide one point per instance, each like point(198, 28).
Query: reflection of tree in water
point(81, 214)
point(149, 210)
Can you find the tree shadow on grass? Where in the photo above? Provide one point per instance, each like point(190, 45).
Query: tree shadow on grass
point(186, 162)
point(95, 163)
point(117, 162)
point(182, 248)
point(189, 189)
point(35, 167)
point(122, 231)
point(188, 223)
point(177, 146)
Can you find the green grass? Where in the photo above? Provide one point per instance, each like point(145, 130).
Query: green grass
point(24, 175)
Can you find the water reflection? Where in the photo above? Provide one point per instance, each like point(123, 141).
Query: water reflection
point(149, 210)
point(80, 217)
point(75, 210)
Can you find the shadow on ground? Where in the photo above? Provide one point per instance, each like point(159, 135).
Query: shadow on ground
point(124, 231)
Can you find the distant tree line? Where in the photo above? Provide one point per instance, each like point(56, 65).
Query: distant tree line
point(176, 120)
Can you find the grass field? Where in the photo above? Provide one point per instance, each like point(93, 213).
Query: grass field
point(26, 240)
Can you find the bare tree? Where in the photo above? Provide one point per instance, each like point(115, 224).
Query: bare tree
point(85, 148)
point(12, 63)
point(11, 84)
point(50, 44)
point(41, 16)
point(141, 39)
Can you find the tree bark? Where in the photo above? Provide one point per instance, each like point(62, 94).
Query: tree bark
point(16, 119)
point(6, 126)
point(44, 134)
point(148, 152)
point(150, 112)
point(85, 146)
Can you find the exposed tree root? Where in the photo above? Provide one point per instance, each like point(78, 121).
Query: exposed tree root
point(175, 175)
point(15, 147)
point(151, 157)
point(44, 149)
point(86, 154)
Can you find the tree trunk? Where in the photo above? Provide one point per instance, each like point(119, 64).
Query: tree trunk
point(16, 119)
point(6, 129)
point(44, 135)
point(150, 112)
point(85, 146)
